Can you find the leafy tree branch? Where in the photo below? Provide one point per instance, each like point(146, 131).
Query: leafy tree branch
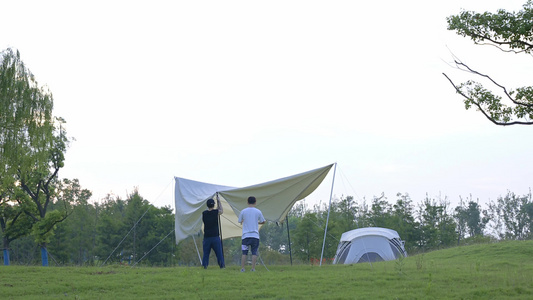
point(510, 32)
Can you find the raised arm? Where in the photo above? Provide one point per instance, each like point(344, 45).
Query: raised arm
point(219, 206)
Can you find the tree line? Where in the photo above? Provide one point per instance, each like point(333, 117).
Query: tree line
point(428, 225)
point(132, 231)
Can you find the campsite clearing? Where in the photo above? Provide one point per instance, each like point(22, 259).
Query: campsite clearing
point(483, 271)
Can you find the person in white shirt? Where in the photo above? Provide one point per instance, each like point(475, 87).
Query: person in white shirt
point(250, 219)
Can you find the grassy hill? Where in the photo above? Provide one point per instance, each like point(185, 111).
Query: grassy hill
point(485, 271)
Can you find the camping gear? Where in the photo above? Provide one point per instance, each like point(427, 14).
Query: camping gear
point(275, 199)
point(369, 244)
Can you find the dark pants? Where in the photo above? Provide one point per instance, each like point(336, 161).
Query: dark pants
point(252, 243)
point(215, 244)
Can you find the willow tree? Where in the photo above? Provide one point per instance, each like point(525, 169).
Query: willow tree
point(32, 146)
point(510, 32)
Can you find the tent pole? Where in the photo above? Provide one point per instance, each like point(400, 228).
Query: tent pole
point(289, 237)
point(327, 220)
point(197, 251)
point(220, 230)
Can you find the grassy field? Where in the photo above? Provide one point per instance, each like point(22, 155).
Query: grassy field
point(490, 271)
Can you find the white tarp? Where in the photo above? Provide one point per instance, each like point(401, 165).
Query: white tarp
point(368, 245)
point(274, 198)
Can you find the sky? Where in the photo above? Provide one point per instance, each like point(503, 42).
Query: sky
point(243, 92)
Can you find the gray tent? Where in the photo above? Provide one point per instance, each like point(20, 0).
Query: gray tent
point(369, 245)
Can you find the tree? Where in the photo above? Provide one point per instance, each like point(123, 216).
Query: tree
point(510, 32)
point(16, 87)
point(136, 217)
point(32, 146)
point(380, 212)
point(307, 238)
point(471, 219)
point(475, 222)
point(14, 224)
point(160, 236)
point(362, 215)
point(511, 216)
point(110, 227)
point(528, 209)
point(344, 213)
point(402, 220)
point(274, 236)
point(73, 241)
point(148, 226)
point(436, 225)
point(133, 231)
point(461, 217)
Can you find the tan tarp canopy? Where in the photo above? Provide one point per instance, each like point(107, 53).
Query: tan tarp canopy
point(274, 198)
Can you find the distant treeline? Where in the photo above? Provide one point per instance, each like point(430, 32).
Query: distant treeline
point(133, 231)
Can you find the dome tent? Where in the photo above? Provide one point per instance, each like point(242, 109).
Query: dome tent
point(369, 244)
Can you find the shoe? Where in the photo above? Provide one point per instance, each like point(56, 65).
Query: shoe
point(242, 270)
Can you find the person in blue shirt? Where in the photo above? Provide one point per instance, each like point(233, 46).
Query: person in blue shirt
point(250, 219)
point(212, 233)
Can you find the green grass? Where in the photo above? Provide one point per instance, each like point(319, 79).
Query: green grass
point(490, 271)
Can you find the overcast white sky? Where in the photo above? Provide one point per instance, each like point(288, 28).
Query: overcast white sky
point(242, 92)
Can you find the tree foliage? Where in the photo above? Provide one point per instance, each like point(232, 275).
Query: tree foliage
point(133, 231)
point(32, 146)
point(403, 220)
point(436, 225)
point(471, 219)
point(512, 216)
point(510, 32)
